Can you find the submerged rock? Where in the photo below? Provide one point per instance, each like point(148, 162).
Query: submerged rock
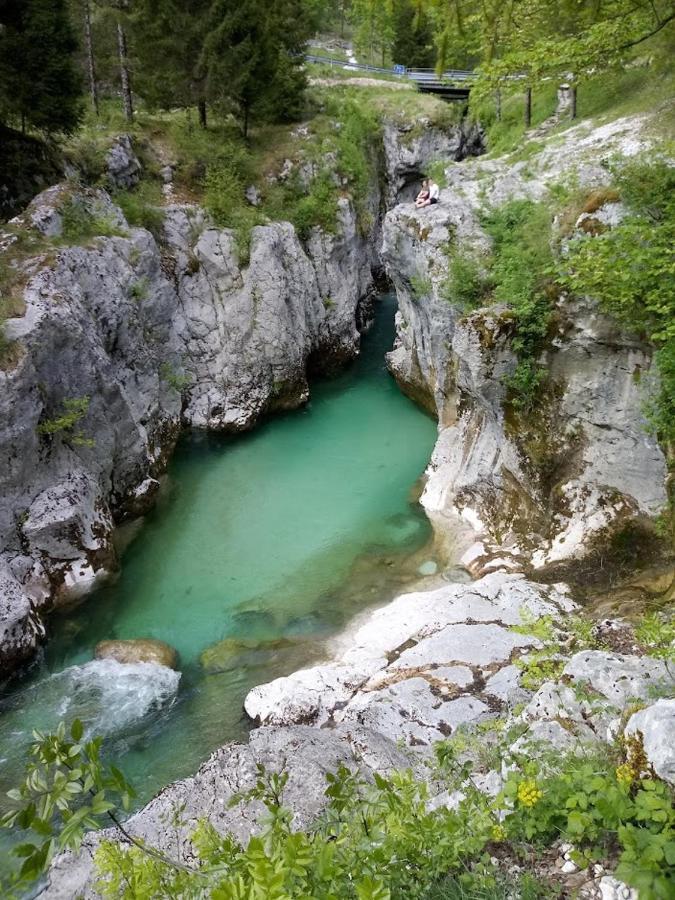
point(138, 650)
point(240, 653)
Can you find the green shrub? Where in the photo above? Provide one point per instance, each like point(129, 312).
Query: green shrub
point(142, 206)
point(373, 841)
point(79, 224)
point(467, 285)
point(420, 286)
point(73, 410)
point(521, 276)
point(318, 208)
point(602, 808)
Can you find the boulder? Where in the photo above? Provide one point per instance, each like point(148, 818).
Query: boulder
point(618, 677)
point(138, 650)
point(656, 724)
point(124, 169)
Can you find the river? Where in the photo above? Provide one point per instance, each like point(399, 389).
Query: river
point(271, 542)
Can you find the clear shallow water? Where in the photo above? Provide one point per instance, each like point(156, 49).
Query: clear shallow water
point(276, 538)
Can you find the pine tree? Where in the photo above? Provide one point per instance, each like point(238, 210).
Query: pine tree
point(253, 56)
point(413, 43)
point(171, 35)
point(40, 82)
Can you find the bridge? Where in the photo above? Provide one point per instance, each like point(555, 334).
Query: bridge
point(454, 84)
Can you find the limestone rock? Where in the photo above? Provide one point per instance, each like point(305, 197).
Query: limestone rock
point(409, 669)
point(617, 677)
point(604, 471)
point(123, 167)
point(138, 650)
point(656, 724)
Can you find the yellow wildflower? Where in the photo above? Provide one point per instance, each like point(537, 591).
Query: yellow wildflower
point(625, 774)
point(498, 833)
point(529, 793)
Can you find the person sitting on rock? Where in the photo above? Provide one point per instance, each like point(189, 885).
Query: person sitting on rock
point(431, 191)
point(423, 196)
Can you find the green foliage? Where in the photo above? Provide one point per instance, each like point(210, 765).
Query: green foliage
point(74, 409)
point(412, 39)
point(40, 84)
point(656, 632)
point(353, 851)
point(67, 790)
point(79, 224)
point(598, 807)
point(373, 841)
point(252, 58)
point(630, 270)
point(177, 380)
point(139, 290)
point(547, 663)
point(521, 277)
point(467, 286)
point(141, 206)
point(420, 286)
point(318, 208)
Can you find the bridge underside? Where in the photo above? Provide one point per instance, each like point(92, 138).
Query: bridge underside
point(445, 91)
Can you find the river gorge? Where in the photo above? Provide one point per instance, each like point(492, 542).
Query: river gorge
point(204, 445)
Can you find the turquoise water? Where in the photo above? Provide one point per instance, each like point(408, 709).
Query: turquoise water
point(276, 538)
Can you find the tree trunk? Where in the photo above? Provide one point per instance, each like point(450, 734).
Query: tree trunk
point(124, 73)
point(528, 107)
point(342, 19)
point(201, 106)
point(498, 104)
point(89, 47)
point(573, 104)
point(245, 120)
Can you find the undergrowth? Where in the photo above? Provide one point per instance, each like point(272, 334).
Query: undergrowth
point(379, 840)
point(520, 275)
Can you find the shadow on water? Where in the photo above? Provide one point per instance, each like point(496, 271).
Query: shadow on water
point(261, 547)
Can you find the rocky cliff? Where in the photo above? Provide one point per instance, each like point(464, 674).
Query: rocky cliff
point(409, 674)
point(544, 490)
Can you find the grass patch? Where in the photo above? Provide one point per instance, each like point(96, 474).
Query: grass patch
point(467, 286)
point(142, 206)
point(79, 224)
point(634, 89)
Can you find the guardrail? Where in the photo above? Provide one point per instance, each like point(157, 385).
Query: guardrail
point(345, 64)
point(416, 75)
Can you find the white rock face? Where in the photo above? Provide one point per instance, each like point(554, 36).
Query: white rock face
point(603, 470)
point(416, 669)
point(656, 724)
point(617, 677)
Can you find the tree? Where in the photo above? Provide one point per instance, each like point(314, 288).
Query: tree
point(40, 83)
point(253, 56)
point(532, 40)
point(89, 50)
point(171, 35)
point(374, 27)
point(413, 43)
